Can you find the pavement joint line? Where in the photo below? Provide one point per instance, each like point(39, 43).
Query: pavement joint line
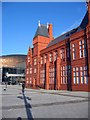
point(45, 104)
point(54, 93)
point(15, 94)
point(10, 94)
point(60, 94)
point(65, 95)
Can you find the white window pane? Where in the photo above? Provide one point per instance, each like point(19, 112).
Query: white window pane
point(80, 42)
point(77, 68)
point(74, 80)
point(81, 68)
point(83, 46)
point(82, 80)
point(73, 49)
point(73, 55)
point(74, 74)
point(73, 45)
point(30, 81)
point(63, 67)
point(80, 47)
point(77, 80)
point(27, 82)
point(85, 79)
point(80, 54)
point(61, 73)
point(83, 53)
point(35, 70)
point(73, 69)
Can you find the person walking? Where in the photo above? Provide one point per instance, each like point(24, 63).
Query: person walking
point(23, 87)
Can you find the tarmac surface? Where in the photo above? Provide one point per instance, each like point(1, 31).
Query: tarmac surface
point(42, 103)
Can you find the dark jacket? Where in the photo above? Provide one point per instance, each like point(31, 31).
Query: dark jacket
point(23, 86)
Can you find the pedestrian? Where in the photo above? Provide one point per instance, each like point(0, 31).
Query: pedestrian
point(23, 87)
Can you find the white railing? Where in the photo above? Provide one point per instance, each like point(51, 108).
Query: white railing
point(15, 75)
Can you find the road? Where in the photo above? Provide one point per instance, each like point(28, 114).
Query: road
point(43, 103)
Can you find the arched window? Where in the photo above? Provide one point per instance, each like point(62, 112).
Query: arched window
point(50, 57)
point(62, 54)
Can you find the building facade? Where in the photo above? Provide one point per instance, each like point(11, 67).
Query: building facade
point(15, 66)
point(61, 63)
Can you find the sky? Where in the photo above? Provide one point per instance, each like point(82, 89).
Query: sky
point(20, 22)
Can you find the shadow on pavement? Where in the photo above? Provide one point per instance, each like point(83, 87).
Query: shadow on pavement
point(19, 118)
point(27, 106)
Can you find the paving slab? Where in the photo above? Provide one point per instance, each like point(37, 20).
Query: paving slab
point(43, 103)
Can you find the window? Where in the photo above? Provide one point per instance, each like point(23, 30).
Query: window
point(35, 61)
point(51, 75)
point(50, 55)
point(35, 70)
point(42, 76)
point(73, 52)
point(30, 80)
point(30, 70)
point(27, 80)
point(45, 57)
point(82, 48)
point(28, 59)
point(80, 75)
point(55, 55)
point(76, 78)
point(27, 71)
point(41, 60)
point(64, 75)
point(83, 75)
point(62, 54)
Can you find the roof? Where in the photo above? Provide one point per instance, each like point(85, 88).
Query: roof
point(13, 60)
point(42, 31)
point(14, 55)
point(69, 33)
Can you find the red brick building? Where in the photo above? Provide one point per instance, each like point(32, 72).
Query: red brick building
point(62, 63)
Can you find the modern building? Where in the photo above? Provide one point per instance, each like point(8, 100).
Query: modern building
point(61, 63)
point(12, 68)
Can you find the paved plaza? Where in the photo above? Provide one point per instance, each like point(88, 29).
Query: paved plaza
point(43, 103)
